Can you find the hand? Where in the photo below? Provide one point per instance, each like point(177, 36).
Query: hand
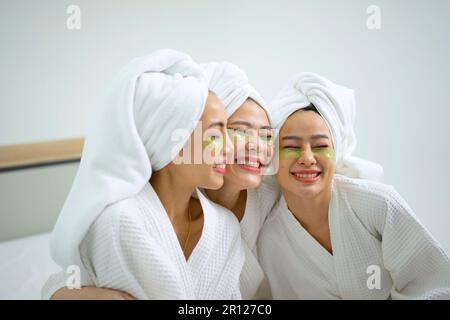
point(91, 293)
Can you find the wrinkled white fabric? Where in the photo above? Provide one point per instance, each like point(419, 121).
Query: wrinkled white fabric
point(380, 249)
point(133, 247)
point(260, 202)
point(232, 87)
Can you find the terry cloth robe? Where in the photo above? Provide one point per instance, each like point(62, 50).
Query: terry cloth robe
point(259, 203)
point(133, 247)
point(130, 136)
point(374, 234)
point(112, 226)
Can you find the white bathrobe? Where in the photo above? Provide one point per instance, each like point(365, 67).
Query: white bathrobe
point(260, 202)
point(253, 284)
point(132, 247)
point(113, 225)
point(373, 232)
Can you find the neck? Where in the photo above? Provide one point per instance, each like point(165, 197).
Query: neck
point(311, 212)
point(227, 196)
point(173, 194)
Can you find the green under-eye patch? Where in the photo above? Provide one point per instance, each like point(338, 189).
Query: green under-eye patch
point(325, 152)
point(244, 137)
point(238, 134)
point(291, 153)
point(267, 139)
point(295, 153)
point(214, 143)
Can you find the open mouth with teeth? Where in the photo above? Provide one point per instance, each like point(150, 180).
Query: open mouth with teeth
point(307, 176)
point(253, 165)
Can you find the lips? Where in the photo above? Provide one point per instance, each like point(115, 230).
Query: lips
point(251, 164)
point(220, 168)
point(307, 176)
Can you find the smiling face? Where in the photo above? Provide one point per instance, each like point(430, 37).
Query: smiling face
point(204, 166)
point(307, 163)
point(250, 132)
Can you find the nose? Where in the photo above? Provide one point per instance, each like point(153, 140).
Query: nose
point(252, 140)
point(228, 148)
point(307, 158)
point(251, 146)
point(265, 149)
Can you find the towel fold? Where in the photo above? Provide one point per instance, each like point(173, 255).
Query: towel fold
point(336, 104)
point(129, 137)
point(232, 87)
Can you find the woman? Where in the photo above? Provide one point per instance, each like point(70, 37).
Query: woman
point(336, 233)
point(243, 192)
point(130, 222)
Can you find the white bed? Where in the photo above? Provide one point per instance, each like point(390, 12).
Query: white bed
point(25, 264)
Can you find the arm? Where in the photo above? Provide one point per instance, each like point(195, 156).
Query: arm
point(90, 293)
point(418, 266)
point(55, 288)
point(120, 254)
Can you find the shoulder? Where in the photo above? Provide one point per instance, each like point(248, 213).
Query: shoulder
point(120, 217)
point(273, 226)
point(120, 227)
point(268, 188)
point(267, 195)
point(370, 193)
point(373, 202)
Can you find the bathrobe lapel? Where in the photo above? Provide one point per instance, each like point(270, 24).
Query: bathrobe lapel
point(306, 247)
point(354, 252)
point(166, 236)
point(194, 272)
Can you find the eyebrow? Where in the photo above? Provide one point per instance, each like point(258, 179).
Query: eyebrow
point(319, 136)
point(217, 124)
point(292, 138)
point(247, 124)
point(313, 137)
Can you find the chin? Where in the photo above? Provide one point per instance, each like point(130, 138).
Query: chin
point(251, 182)
point(247, 181)
point(215, 182)
point(305, 190)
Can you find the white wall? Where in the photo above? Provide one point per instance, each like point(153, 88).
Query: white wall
point(31, 199)
point(51, 77)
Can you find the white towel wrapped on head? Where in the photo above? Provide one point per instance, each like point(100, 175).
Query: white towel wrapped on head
point(232, 87)
point(336, 104)
point(129, 137)
point(113, 224)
